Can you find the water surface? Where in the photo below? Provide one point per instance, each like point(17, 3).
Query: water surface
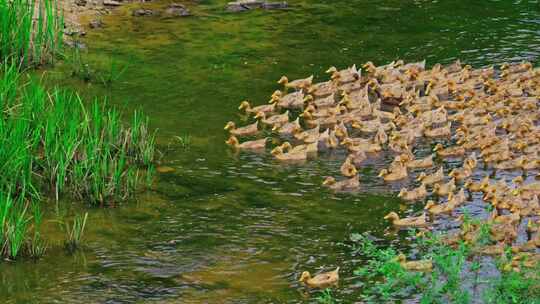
point(239, 228)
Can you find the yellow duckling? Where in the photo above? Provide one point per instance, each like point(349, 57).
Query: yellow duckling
point(246, 106)
point(289, 156)
point(436, 209)
point(461, 173)
point(293, 100)
point(457, 199)
point(311, 148)
point(450, 151)
point(322, 88)
point(279, 119)
point(396, 175)
point(304, 83)
point(381, 137)
point(426, 162)
point(432, 178)
point(341, 130)
point(529, 164)
point(367, 147)
point(418, 221)
point(421, 265)
point(247, 145)
point(322, 280)
point(477, 186)
point(357, 158)
point(346, 75)
point(350, 184)
point(325, 102)
point(439, 132)
point(288, 128)
point(445, 189)
point(312, 122)
point(348, 169)
point(308, 136)
point(414, 194)
point(248, 130)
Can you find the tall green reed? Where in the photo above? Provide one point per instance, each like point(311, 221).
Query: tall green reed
point(30, 31)
point(56, 145)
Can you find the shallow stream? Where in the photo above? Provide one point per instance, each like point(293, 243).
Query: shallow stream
point(239, 228)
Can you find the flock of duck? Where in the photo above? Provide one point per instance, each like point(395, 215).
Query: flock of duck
point(488, 118)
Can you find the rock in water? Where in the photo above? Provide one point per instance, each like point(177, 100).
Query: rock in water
point(274, 5)
point(143, 12)
point(240, 6)
point(97, 23)
point(177, 10)
point(111, 3)
point(246, 5)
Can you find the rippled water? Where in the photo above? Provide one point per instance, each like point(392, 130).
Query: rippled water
point(239, 228)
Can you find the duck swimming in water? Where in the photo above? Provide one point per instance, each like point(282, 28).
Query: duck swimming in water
point(259, 144)
point(248, 130)
point(321, 280)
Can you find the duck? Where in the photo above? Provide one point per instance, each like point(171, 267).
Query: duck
point(435, 209)
point(432, 178)
point(274, 120)
point(445, 189)
point(288, 128)
point(418, 221)
point(298, 84)
point(322, 88)
point(308, 136)
point(460, 174)
point(426, 162)
point(328, 101)
point(414, 194)
point(289, 156)
point(344, 76)
point(381, 137)
point(477, 186)
point(439, 132)
point(349, 184)
point(246, 106)
point(394, 175)
point(294, 100)
point(452, 151)
point(421, 265)
point(457, 199)
point(347, 168)
point(367, 147)
point(249, 130)
point(357, 158)
point(311, 148)
point(322, 280)
point(259, 144)
point(341, 130)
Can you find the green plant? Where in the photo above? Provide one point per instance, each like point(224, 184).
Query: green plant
point(75, 232)
point(54, 144)
point(30, 31)
point(326, 297)
point(113, 72)
point(385, 280)
point(184, 140)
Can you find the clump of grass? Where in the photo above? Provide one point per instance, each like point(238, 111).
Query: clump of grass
point(184, 140)
point(30, 31)
point(75, 232)
point(55, 145)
